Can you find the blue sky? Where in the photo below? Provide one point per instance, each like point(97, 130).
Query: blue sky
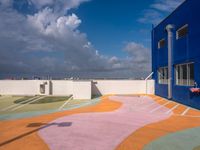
point(111, 24)
point(82, 38)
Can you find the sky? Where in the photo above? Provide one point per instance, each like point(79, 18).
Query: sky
point(79, 38)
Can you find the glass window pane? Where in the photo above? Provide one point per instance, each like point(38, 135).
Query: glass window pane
point(166, 75)
point(184, 78)
point(191, 75)
point(184, 74)
point(161, 43)
point(179, 74)
point(163, 75)
point(182, 32)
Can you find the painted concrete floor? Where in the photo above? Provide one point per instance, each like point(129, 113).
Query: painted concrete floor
point(9, 109)
point(116, 123)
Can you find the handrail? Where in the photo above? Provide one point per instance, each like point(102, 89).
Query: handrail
point(149, 76)
point(147, 79)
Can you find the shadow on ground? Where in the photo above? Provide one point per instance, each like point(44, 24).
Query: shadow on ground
point(38, 127)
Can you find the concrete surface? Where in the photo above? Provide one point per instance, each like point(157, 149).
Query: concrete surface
point(97, 131)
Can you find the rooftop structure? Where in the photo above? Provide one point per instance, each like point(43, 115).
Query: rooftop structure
point(176, 55)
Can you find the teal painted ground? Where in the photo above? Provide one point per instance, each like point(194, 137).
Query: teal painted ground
point(37, 113)
point(183, 140)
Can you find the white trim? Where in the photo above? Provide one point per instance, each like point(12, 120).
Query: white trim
point(165, 75)
point(181, 74)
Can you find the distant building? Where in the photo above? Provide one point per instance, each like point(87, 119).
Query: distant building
point(176, 55)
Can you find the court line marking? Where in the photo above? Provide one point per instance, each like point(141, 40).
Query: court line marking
point(67, 101)
point(187, 116)
point(180, 104)
point(154, 102)
point(153, 110)
point(34, 100)
point(171, 110)
point(138, 104)
point(11, 106)
point(186, 110)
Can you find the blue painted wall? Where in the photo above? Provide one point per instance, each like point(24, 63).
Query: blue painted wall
point(186, 49)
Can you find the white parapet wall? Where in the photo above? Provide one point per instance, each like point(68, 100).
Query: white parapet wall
point(103, 87)
point(82, 90)
point(79, 89)
point(61, 87)
point(21, 87)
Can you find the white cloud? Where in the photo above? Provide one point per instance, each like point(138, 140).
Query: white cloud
point(71, 21)
point(57, 5)
point(41, 3)
point(49, 42)
point(6, 3)
point(151, 16)
point(158, 10)
point(166, 5)
point(138, 55)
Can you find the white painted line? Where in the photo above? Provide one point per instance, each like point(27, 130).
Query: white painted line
point(159, 107)
point(67, 101)
point(34, 100)
point(138, 103)
point(11, 106)
point(154, 102)
point(185, 111)
point(171, 110)
point(187, 116)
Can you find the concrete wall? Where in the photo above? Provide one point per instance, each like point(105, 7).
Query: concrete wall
point(102, 87)
point(79, 89)
point(82, 90)
point(20, 87)
point(62, 87)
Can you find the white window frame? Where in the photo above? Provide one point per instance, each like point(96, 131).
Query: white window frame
point(165, 78)
point(159, 43)
point(180, 81)
point(177, 32)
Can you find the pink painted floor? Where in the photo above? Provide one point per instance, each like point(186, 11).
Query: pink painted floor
point(102, 131)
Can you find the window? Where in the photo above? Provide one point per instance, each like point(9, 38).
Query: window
point(161, 43)
point(185, 74)
point(182, 32)
point(42, 88)
point(163, 75)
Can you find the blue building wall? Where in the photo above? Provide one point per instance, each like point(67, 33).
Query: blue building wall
point(186, 49)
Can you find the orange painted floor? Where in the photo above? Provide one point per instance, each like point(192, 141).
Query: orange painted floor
point(22, 134)
point(151, 132)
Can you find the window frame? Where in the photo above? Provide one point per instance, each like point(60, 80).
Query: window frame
point(179, 81)
point(159, 43)
point(164, 78)
point(181, 28)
